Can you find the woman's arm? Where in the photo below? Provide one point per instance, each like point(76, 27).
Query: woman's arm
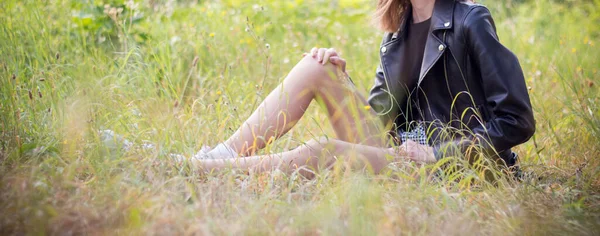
point(511, 119)
point(381, 99)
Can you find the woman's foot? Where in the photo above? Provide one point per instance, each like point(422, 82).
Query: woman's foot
point(221, 151)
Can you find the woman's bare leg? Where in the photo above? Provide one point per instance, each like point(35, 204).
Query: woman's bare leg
point(310, 157)
point(285, 105)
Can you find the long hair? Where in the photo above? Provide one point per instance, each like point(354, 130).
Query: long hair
point(390, 13)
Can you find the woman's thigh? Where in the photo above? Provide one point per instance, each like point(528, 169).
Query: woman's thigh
point(349, 112)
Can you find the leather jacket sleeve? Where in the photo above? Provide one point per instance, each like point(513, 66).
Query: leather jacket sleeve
point(381, 99)
point(510, 121)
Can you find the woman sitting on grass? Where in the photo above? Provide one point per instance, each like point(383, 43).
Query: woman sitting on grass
point(445, 87)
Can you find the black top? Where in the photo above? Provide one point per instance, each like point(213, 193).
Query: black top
point(416, 36)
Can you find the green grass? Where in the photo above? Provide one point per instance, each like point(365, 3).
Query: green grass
point(68, 70)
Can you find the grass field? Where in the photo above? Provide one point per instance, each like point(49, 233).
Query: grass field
point(182, 74)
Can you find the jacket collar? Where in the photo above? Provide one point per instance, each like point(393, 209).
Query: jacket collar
point(443, 11)
point(441, 19)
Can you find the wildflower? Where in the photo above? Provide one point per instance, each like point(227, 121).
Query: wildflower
point(223, 13)
point(561, 42)
point(203, 9)
point(112, 12)
point(586, 40)
point(573, 50)
point(131, 5)
point(219, 92)
point(578, 69)
point(367, 107)
point(211, 35)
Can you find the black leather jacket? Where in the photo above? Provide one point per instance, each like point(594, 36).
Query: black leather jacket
point(473, 89)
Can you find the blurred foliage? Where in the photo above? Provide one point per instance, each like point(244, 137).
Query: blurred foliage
point(106, 22)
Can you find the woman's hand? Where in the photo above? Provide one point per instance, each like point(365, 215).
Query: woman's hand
point(324, 55)
point(417, 152)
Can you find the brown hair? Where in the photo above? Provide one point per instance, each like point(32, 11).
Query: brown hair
point(389, 14)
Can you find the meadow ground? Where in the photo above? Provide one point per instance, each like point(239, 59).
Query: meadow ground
point(182, 74)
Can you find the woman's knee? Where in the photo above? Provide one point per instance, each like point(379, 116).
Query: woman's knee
point(315, 70)
point(316, 151)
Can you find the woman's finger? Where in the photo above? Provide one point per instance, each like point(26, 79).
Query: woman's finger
point(313, 52)
point(320, 54)
point(400, 154)
point(336, 60)
point(328, 53)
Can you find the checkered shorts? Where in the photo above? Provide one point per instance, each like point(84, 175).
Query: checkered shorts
point(416, 134)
